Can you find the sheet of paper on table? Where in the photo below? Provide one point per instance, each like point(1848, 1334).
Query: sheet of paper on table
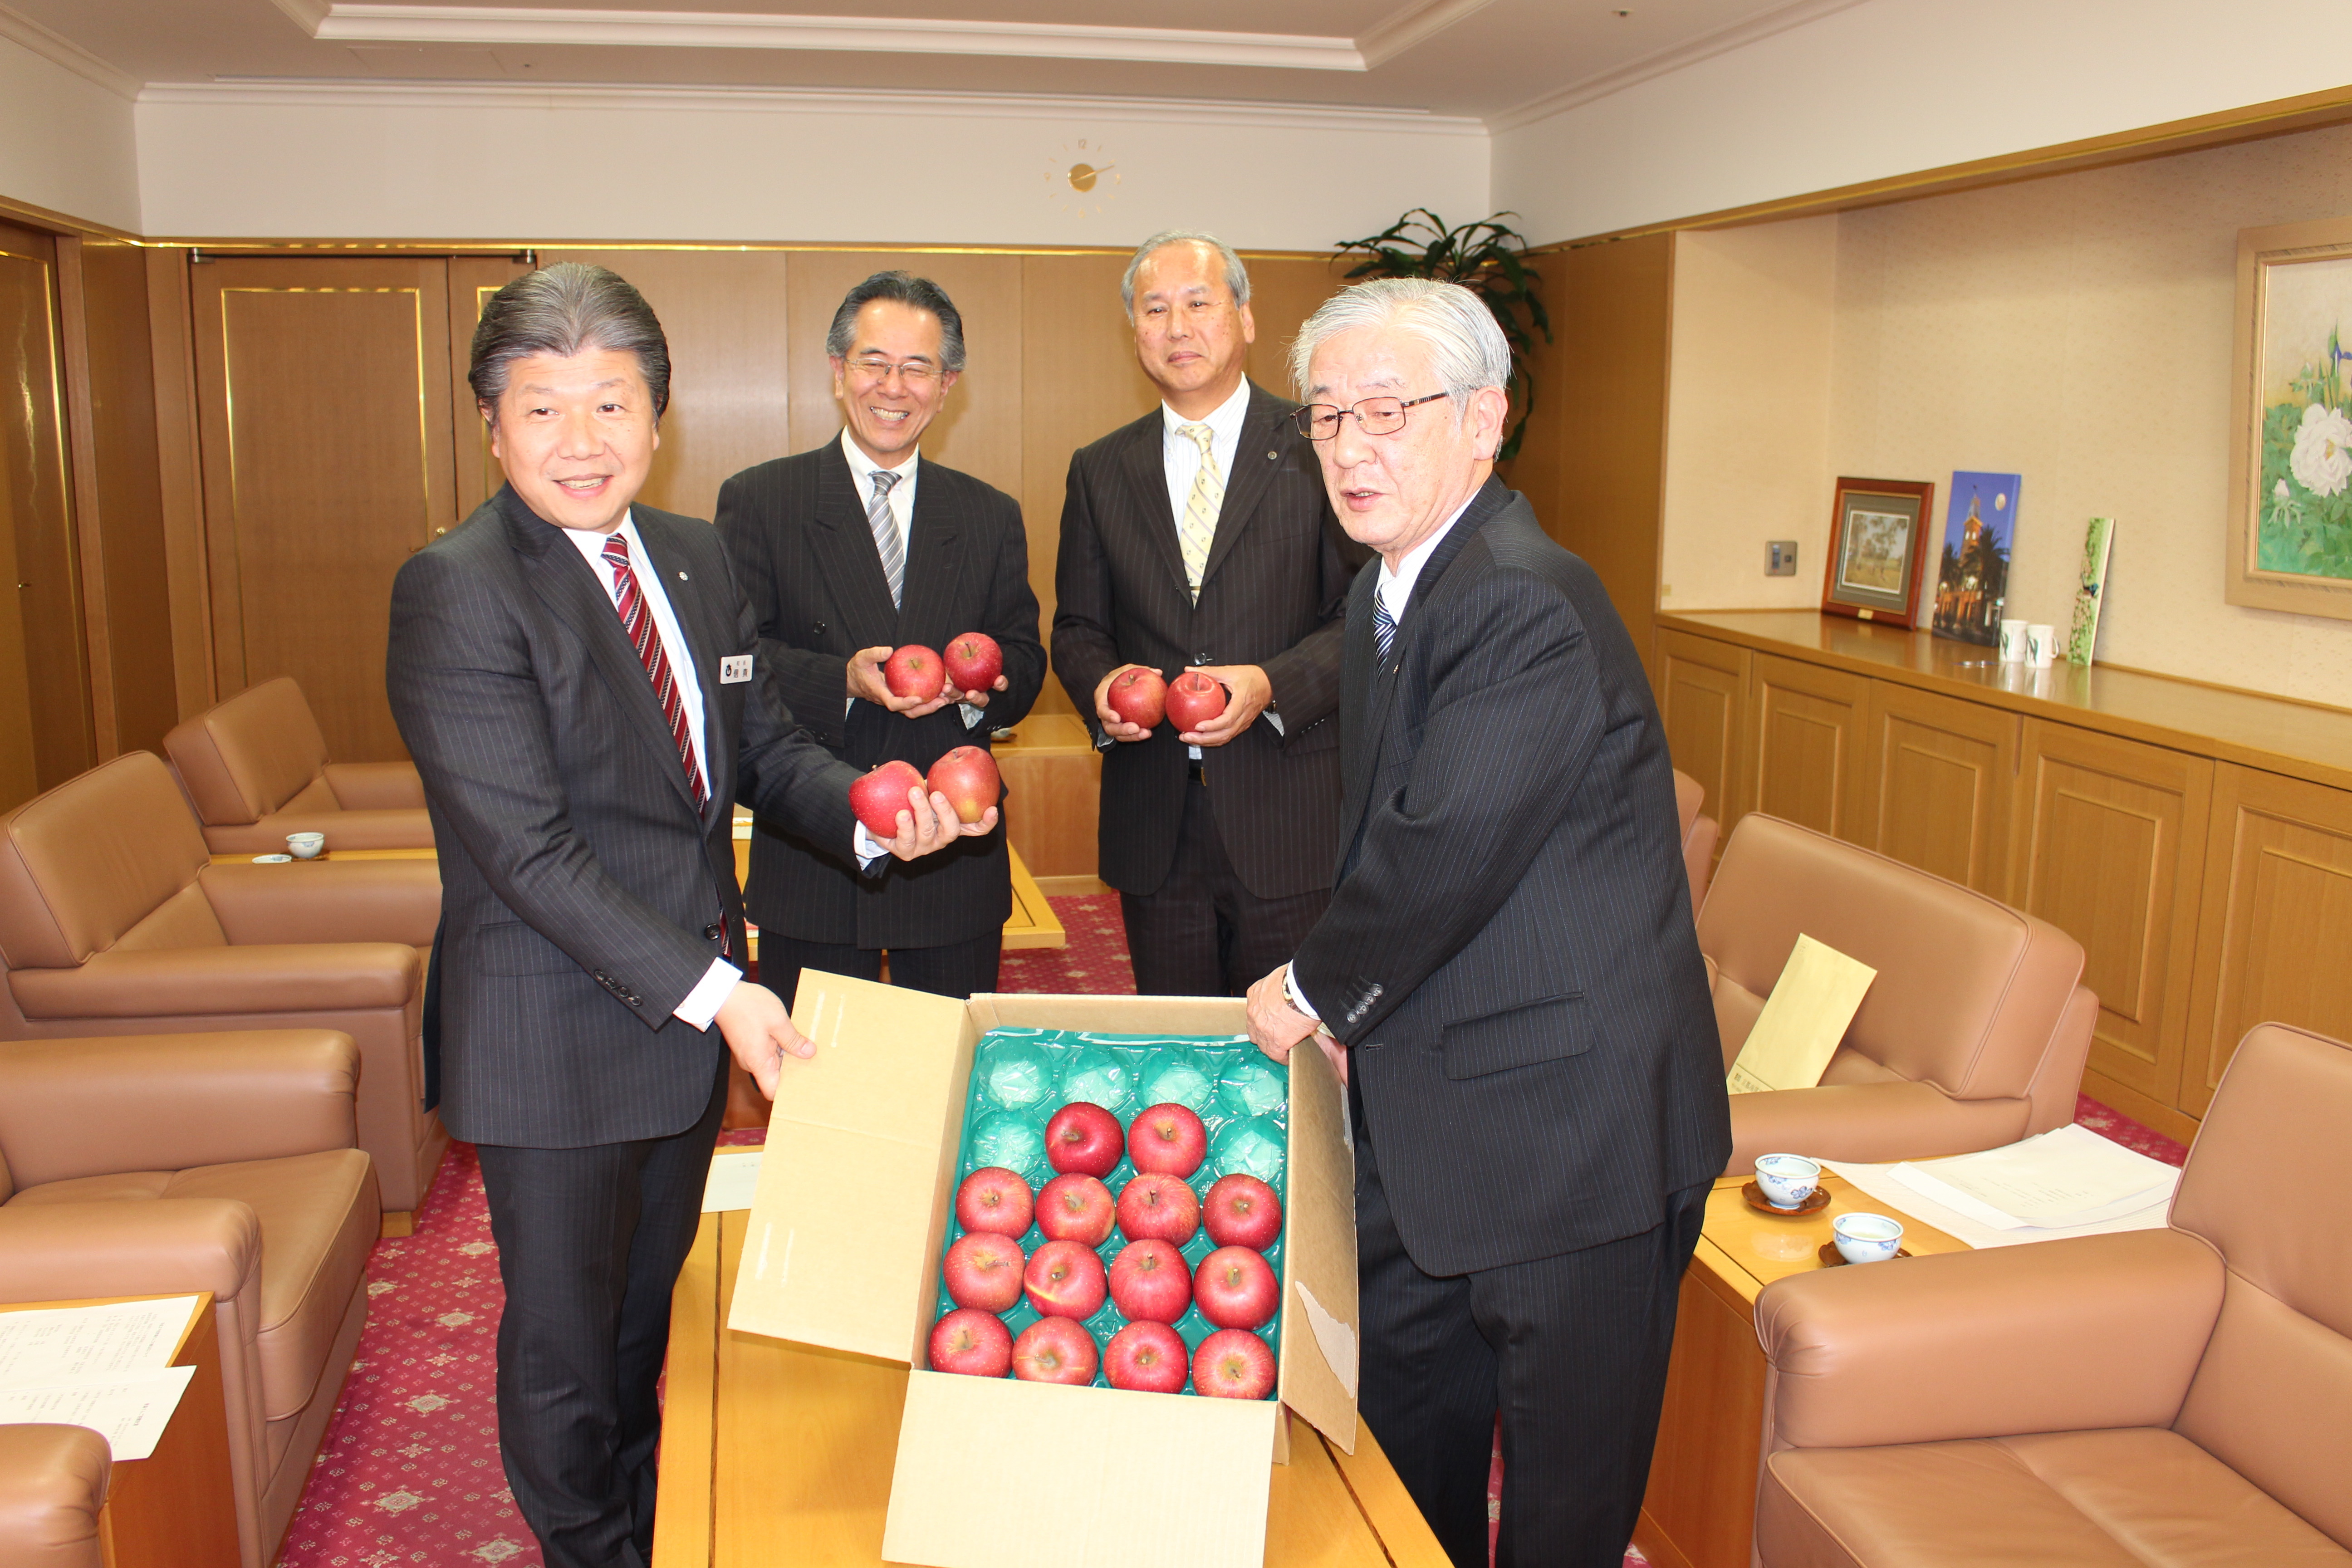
point(128, 1410)
point(1880, 1182)
point(734, 1176)
point(60, 1344)
point(1798, 1032)
point(2064, 1177)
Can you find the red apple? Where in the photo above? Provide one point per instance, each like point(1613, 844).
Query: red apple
point(994, 1199)
point(914, 671)
point(1083, 1136)
point(968, 777)
point(1168, 1139)
point(1065, 1280)
point(1155, 1207)
point(973, 1342)
point(1242, 1211)
point(1151, 1282)
point(1147, 1357)
point(1056, 1350)
point(1075, 1207)
point(1140, 696)
point(1194, 700)
point(1232, 1363)
point(1235, 1287)
point(973, 661)
point(879, 796)
point(983, 1270)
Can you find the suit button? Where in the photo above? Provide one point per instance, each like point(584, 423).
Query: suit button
point(1203, 659)
point(713, 932)
point(818, 629)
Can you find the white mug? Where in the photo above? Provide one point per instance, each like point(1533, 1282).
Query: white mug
point(2012, 642)
point(1787, 1180)
point(1867, 1238)
point(2041, 645)
point(307, 846)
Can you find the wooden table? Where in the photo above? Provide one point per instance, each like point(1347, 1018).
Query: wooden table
point(177, 1507)
point(1700, 1509)
point(775, 1454)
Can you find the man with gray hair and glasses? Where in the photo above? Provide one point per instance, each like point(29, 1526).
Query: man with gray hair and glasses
point(1199, 538)
point(1508, 976)
point(579, 680)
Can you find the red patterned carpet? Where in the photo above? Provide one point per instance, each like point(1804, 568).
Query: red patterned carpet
point(410, 1471)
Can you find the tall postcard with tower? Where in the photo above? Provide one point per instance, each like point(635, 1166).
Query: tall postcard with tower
point(1972, 578)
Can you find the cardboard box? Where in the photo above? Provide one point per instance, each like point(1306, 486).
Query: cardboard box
point(843, 1251)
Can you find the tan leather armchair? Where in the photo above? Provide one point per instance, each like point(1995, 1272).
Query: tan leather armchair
point(2169, 1396)
point(1700, 833)
point(143, 1165)
point(114, 922)
point(1973, 1034)
point(53, 1483)
point(255, 769)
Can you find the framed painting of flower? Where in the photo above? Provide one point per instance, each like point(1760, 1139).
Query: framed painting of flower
point(2291, 443)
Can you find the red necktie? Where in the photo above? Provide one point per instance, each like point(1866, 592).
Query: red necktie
point(637, 621)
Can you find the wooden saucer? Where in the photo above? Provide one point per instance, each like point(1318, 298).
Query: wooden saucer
point(1833, 1258)
point(1818, 1201)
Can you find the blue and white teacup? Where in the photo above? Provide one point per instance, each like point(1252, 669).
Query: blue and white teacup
point(1787, 1180)
point(1867, 1238)
point(307, 846)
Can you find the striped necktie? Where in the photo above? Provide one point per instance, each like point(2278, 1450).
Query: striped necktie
point(879, 518)
point(1200, 507)
point(1383, 629)
point(637, 622)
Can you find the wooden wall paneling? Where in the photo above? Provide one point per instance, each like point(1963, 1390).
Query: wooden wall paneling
point(123, 501)
point(1536, 472)
point(82, 468)
point(19, 769)
point(180, 477)
point(1942, 779)
point(2276, 921)
point(2110, 848)
point(35, 470)
point(724, 313)
point(324, 471)
point(1806, 746)
point(472, 280)
point(1284, 291)
point(1703, 703)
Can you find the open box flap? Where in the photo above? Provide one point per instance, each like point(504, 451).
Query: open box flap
point(851, 1200)
point(1170, 1015)
point(1319, 1322)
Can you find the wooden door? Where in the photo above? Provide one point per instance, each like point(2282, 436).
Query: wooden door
point(46, 735)
point(1806, 751)
point(472, 280)
point(2275, 928)
point(324, 401)
point(1702, 703)
point(2111, 850)
point(1942, 775)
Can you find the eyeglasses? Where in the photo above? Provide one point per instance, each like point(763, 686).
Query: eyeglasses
point(1374, 416)
point(913, 371)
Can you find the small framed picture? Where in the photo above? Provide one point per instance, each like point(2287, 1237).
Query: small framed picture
point(1878, 530)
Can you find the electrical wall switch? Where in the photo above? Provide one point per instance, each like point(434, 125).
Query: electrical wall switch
point(1780, 558)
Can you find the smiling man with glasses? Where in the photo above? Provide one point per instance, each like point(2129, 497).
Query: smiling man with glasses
point(848, 551)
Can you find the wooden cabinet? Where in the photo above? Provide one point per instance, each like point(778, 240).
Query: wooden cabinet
point(2274, 942)
point(2111, 850)
point(1942, 775)
point(1702, 699)
point(1806, 757)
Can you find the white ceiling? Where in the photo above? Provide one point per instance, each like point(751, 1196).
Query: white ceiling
point(1501, 61)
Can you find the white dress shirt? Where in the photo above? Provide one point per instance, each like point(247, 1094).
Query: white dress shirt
point(1182, 458)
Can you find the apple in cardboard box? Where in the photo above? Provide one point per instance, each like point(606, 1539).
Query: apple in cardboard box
point(973, 661)
point(1168, 1139)
point(968, 777)
point(1147, 1357)
point(1140, 696)
point(1234, 1287)
point(1065, 1280)
point(996, 1200)
point(1076, 1208)
point(1153, 1207)
point(1056, 1350)
point(1084, 1137)
point(1242, 1211)
point(1234, 1364)
point(914, 671)
point(983, 1270)
point(972, 1342)
point(879, 796)
point(1151, 1282)
point(1193, 699)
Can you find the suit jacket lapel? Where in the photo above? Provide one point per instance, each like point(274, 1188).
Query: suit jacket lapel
point(1147, 471)
point(1255, 461)
point(934, 555)
point(688, 604)
point(1360, 743)
point(842, 541)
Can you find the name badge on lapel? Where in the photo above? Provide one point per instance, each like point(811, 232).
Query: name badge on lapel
point(734, 668)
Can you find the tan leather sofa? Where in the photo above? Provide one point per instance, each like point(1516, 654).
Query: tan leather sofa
point(114, 922)
point(256, 768)
point(1700, 835)
point(1972, 1035)
point(2163, 1397)
point(143, 1165)
point(53, 1484)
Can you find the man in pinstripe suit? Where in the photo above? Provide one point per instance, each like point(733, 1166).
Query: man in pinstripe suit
point(1508, 974)
point(578, 681)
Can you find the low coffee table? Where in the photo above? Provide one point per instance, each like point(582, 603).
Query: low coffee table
point(1700, 1509)
point(776, 1454)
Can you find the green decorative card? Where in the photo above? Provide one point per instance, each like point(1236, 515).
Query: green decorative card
point(2097, 541)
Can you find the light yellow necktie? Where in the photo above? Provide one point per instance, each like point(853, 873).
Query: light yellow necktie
point(1200, 508)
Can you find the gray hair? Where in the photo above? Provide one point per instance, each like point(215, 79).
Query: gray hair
point(1467, 347)
point(906, 290)
point(1236, 275)
point(564, 309)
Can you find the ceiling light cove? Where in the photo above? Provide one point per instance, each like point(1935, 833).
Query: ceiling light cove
point(348, 23)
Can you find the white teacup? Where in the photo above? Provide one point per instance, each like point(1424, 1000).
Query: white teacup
point(307, 846)
point(2041, 645)
point(2012, 642)
point(1787, 1180)
point(1867, 1238)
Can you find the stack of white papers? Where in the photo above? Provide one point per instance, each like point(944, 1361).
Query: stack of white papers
point(734, 1176)
point(106, 1368)
point(2070, 1182)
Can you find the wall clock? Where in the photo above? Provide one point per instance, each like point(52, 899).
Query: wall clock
point(1082, 177)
